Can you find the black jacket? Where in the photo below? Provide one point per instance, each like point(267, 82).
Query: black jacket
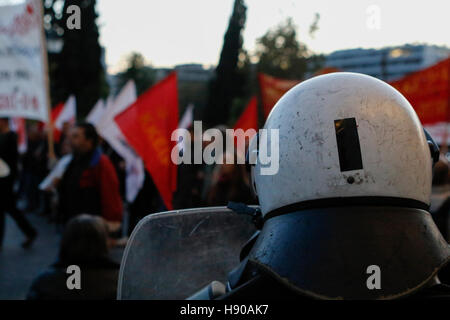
point(9, 153)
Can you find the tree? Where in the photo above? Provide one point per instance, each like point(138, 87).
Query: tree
point(247, 87)
point(227, 82)
point(54, 32)
point(80, 69)
point(280, 54)
point(143, 75)
point(314, 26)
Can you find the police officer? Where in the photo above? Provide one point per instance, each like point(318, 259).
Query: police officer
point(345, 216)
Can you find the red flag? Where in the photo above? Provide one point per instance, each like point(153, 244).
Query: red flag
point(428, 91)
point(247, 120)
point(56, 111)
point(272, 89)
point(62, 113)
point(148, 125)
point(18, 125)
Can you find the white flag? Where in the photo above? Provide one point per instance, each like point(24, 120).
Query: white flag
point(188, 117)
point(96, 113)
point(105, 118)
point(124, 99)
point(19, 127)
point(56, 173)
point(108, 104)
point(109, 130)
point(67, 114)
point(185, 123)
point(22, 77)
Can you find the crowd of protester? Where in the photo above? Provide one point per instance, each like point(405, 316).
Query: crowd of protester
point(90, 191)
point(94, 181)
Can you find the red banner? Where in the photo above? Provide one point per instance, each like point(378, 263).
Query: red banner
point(148, 125)
point(56, 111)
point(428, 91)
point(248, 118)
point(272, 89)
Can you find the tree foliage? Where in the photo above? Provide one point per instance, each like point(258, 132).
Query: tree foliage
point(282, 55)
point(78, 68)
point(81, 69)
point(54, 32)
point(142, 74)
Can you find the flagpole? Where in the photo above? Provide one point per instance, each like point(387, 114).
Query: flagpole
point(51, 146)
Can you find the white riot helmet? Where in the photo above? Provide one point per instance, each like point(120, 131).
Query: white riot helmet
point(345, 135)
point(353, 184)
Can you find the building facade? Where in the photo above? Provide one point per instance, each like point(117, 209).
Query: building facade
point(390, 63)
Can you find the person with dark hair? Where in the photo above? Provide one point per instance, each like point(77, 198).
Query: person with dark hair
point(89, 184)
point(10, 157)
point(34, 170)
point(85, 245)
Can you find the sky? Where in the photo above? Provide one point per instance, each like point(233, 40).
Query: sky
point(171, 32)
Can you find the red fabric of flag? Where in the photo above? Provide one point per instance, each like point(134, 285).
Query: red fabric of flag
point(272, 89)
point(148, 125)
point(247, 120)
point(428, 91)
point(56, 111)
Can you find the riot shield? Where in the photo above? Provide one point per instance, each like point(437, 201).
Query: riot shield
point(172, 255)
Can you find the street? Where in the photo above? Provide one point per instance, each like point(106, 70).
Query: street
point(18, 267)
